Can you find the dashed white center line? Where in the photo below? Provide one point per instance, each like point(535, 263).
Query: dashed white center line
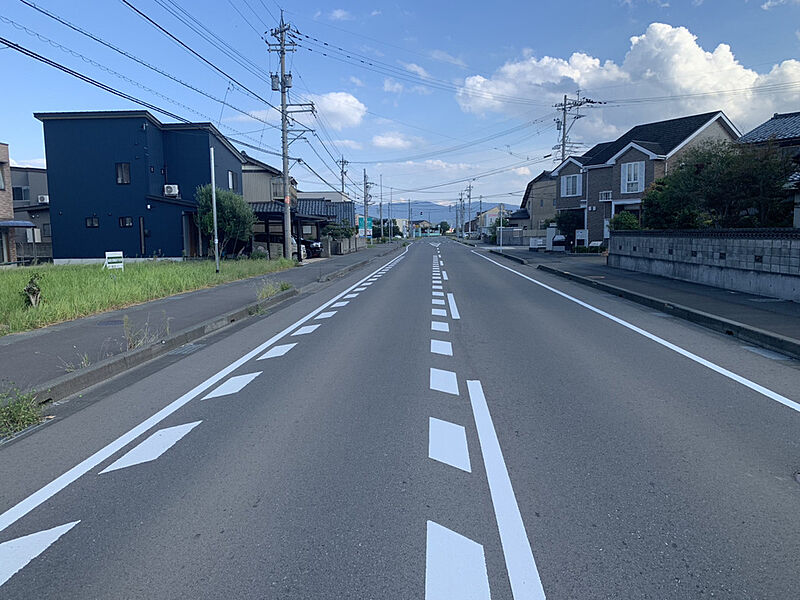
point(437, 302)
point(447, 443)
point(151, 448)
point(453, 308)
point(15, 554)
point(438, 312)
point(436, 287)
point(522, 572)
point(276, 351)
point(439, 326)
point(305, 329)
point(444, 381)
point(438, 293)
point(441, 347)
point(232, 385)
point(325, 315)
point(455, 566)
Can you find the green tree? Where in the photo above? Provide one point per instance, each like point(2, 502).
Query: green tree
point(567, 222)
point(493, 229)
point(235, 217)
point(444, 227)
point(624, 221)
point(339, 231)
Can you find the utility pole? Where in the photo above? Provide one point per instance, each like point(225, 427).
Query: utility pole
point(283, 84)
point(500, 228)
point(561, 124)
point(391, 226)
point(381, 207)
point(409, 229)
point(214, 209)
point(469, 209)
point(342, 164)
point(480, 212)
point(459, 218)
point(366, 204)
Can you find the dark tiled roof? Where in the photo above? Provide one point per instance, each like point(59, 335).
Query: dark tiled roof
point(520, 215)
point(267, 207)
point(780, 127)
point(667, 134)
point(594, 150)
point(653, 147)
point(313, 206)
point(345, 212)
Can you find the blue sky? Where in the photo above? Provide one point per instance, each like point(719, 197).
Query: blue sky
point(424, 94)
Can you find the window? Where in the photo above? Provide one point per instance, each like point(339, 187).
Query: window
point(2, 180)
point(123, 173)
point(605, 196)
point(632, 177)
point(541, 202)
point(92, 222)
point(233, 183)
point(21, 194)
point(126, 221)
point(570, 185)
point(46, 229)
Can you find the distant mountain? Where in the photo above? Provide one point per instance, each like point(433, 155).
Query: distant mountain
point(430, 211)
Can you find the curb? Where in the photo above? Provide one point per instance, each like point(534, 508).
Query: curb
point(466, 243)
point(521, 261)
point(746, 333)
point(71, 383)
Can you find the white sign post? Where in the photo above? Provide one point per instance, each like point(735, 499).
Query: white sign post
point(114, 260)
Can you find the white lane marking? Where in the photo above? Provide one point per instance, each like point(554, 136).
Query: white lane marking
point(436, 287)
point(360, 289)
point(435, 293)
point(325, 315)
point(683, 352)
point(441, 347)
point(23, 507)
point(441, 262)
point(522, 572)
point(439, 326)
point(17, 553)
point(438, 312)
point(437, 302)
point(340, 304)
point(276, 351)
point(455, 566)
point(447, 443)
point(451, 300)
point(350, 296)
point(233, 385)
point(368, 283)
point(444, 381)
point(305, 329)
point(444, 275)
point(151, 448)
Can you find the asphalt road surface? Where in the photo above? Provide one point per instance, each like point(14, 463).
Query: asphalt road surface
point(446, 425)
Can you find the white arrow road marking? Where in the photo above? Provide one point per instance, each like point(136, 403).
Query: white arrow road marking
point(522, 572)
point(441, 347)
point(15, 554)
point(444, 381)
point(438, 312)
point(439, 326)
point(453, 308)
point(151, 448)
point(233, 385)
point(437, 302)
point(277, 351)
point(305, 329)
point(340, 304)
point(455, 566)
point(444, 275)
point(325, 315)
point(447, 443)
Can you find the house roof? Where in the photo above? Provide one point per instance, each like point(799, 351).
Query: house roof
point(780, 127)
point(249, 160)
point(664, 135)
point(267, 207)
point(539, 177)
point(321, 208)
point(520, 215)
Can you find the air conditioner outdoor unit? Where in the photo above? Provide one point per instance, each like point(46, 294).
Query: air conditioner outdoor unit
point(171, 190)
point(44, 199)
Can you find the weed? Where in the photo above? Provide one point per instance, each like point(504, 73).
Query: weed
point(83, 362)
point(270, 289)
point(18, 410)
point(144, 335)
point(32, 293)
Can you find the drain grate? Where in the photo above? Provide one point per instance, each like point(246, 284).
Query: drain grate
point(186, 349)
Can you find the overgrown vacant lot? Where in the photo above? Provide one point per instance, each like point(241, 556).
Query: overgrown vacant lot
point(72, 291)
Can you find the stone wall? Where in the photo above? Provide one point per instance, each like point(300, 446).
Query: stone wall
point(758, 261)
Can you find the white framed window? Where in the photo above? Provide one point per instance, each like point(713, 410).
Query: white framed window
point(632, 177)
point(570, 185)
point(605, 196)
point(233, 181)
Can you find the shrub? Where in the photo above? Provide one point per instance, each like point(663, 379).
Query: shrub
point(18, 410)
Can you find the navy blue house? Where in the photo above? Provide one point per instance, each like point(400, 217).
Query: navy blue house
point(122, 180)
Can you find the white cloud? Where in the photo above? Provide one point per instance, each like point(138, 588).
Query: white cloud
point(773, 3)
point(445, 57)
point(664, 62)
point(522, 171)
point(339, 14)
point(416, 69)
point(392, 86)
point(375, 13)
point(31, 162)
point(339, 109)
point(392, 140)
point(349, 144)
point(356, 81)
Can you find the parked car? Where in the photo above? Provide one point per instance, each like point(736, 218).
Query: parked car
point(313, 248)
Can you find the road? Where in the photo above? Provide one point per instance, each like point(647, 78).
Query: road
point(443, 425)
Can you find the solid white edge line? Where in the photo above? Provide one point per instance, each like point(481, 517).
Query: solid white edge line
point(683, 352)
point(46, 492)
point(520, 564)
point(451, 300)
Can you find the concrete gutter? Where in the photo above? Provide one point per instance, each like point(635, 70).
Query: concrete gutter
point(72, 383)
point(746, 333)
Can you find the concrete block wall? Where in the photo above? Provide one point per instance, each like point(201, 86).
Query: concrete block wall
point(763, 262)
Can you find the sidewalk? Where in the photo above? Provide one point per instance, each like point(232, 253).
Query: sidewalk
point(768, 322)
point(62, 359)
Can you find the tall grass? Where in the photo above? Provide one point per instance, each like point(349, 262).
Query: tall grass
point(72, 291)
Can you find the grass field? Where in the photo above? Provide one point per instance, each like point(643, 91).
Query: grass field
point(72, 291)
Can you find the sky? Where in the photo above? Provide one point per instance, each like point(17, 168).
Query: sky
point(426, 97)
